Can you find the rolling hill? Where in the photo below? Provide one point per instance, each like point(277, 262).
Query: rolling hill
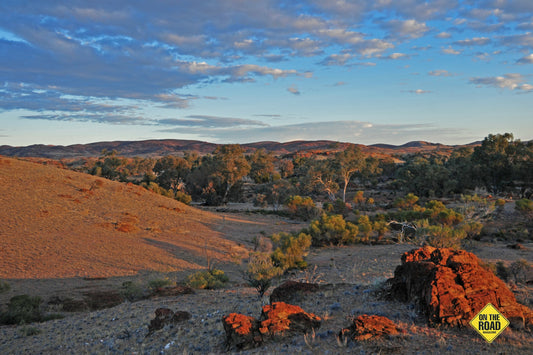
point(57, 223)
point(154, 148)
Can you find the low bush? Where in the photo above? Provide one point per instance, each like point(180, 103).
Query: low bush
point(4, 286)
point(183, 197)
point(207, 279)
point(261, 271)
point(302, 208)
point(441, 236)
point(22, 309)
point(331, 230)
point(524, 205)
point(290, 250)
point(158, 283)
point(133, 292)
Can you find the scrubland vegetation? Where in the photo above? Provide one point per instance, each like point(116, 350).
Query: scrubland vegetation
point(439, 198)
point(339, 197)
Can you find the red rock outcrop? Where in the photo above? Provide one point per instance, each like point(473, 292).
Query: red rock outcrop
point(365, 327)
point(280, 318)
point(277, 320)
point(242, 332)
point(451, 287)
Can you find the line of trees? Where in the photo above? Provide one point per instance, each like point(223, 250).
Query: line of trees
point(500, 164)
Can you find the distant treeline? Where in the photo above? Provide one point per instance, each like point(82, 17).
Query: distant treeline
point(500, 165)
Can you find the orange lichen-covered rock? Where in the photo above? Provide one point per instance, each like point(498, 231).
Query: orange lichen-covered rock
point(242, 332)
point(451, 287)
point(280, 318)
point(365, 327)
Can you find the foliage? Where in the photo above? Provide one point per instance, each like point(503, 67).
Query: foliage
point(442, 236)
point(110, 166)
point(230, 167)
point(332, 230)
point(346, 163)
point(365, 227)
point(207, 279)
point(154, 187)
point(133, 292)
point(183, 197)
point(261, 271)
point(27, 331)
point(4, 286)
point(524, 205)
point(262, 168)
point(337, 207)
point(171, 171)
point(520, 269)
point(158, 283)
point(302, 207)
point(277, 191)
point(22, 309)
point(290, 250)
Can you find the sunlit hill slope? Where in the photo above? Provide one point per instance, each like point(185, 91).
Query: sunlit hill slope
point(59, 223)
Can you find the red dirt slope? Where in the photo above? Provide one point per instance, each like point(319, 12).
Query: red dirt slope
point(59, 223)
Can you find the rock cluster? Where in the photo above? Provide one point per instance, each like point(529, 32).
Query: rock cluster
point(277, 320)
point(365, 327)
point(451, 287)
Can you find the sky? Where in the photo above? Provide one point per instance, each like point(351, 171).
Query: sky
point(241, 71)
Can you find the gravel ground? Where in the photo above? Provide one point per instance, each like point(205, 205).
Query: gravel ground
point(124, 329)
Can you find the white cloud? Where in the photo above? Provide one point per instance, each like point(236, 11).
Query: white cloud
point(418, 91)
point(443, 35)
point(294, 90)
point(344, 131)
point(476, 41)
point(396, 56)
point(451, 51)
point(512, 81)
point(408, 28)
point(528, 59)
point(441, 72)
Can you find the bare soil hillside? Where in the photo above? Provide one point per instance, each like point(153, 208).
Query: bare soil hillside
point(57, 223)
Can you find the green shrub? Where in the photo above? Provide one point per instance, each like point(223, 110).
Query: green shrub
point(27, 331)
point(22, 309)
point(441, 236)
point(499, 202)
point(183, 197)
point(290, 250)
point(472, 229)
point(158, 283)
point(207, 279)
point(261, 271)
point(520, 269)
point(133, 291)
point(524, 205)
point(4, 286)
point(302, 208)
point(365, 227)
point(407, 202)
point(332, 230)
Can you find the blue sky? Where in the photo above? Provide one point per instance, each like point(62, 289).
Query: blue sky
point(238, 71)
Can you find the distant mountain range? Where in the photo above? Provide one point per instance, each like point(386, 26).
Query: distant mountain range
point(154, 148)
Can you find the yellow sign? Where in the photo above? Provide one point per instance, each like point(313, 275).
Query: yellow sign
point(489, 323)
